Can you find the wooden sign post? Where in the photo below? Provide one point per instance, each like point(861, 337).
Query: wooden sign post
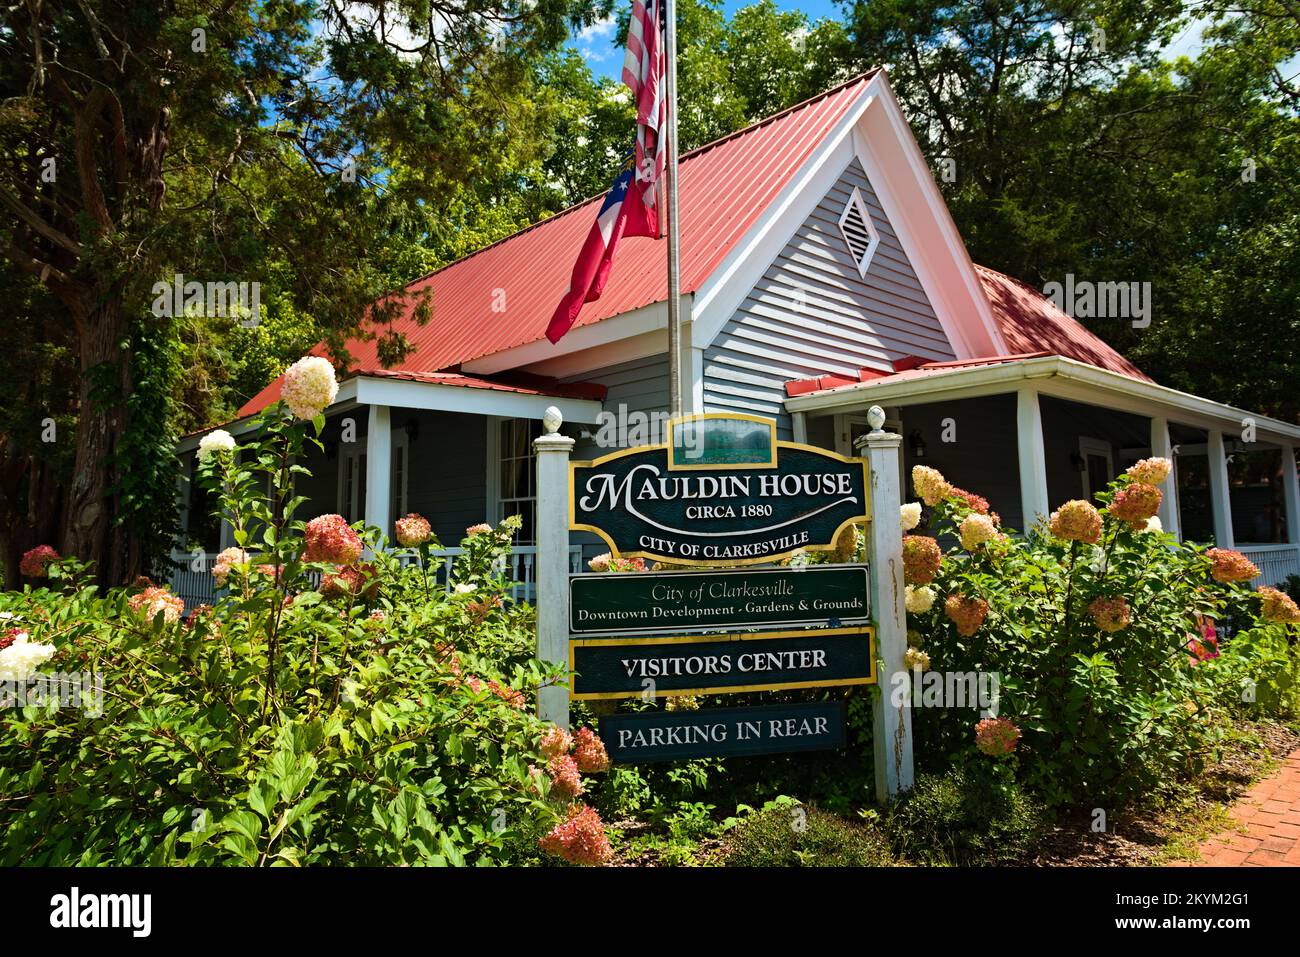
point(723, 491)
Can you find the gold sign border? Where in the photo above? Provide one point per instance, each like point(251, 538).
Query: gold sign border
point(576, 526)
point(868, 630)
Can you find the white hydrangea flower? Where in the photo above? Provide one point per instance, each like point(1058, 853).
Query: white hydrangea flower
point(918, 599)
point(465, 588)
point(218, 440)
point(309, 386)
point(909, 515)
point(1154, 524)
point(20, 659)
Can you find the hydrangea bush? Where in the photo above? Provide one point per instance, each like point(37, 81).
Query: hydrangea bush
point(1106, 634)
point(373, 718)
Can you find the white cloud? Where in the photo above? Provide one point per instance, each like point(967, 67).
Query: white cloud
point(595, 42)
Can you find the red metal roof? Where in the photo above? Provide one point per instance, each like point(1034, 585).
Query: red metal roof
point(1030, 322)
point(724, 187)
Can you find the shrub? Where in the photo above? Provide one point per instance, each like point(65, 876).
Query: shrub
point(1101, 630)
point(975, 816)
point(387, 724)
point(786, 834)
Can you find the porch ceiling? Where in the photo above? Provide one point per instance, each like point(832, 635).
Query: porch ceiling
point(1049, 375)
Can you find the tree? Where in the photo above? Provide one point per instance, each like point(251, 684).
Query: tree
point(133, 132)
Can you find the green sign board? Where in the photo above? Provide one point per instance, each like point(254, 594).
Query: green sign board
point(770, 661)
point(650, 602)
point(649, 736)
point(725, 505)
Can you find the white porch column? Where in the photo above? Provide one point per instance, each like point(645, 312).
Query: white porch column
point(379, 460)
point(891, 722)
point(1161, 447)
point(1220, 499)
point(799, 426)
point(1032, 458)
point(553, 561)
point(1291, 494)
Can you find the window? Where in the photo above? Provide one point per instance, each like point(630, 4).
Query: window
point(1098, 466)
point(352, 481)
point(397, 498)
point(858, 231)
point(516, 472)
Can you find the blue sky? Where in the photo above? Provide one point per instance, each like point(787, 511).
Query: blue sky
point(603, 56)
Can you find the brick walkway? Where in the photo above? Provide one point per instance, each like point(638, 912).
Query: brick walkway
point(1269, 819)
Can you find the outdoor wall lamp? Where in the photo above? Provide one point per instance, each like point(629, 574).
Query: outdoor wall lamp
point(917, 444)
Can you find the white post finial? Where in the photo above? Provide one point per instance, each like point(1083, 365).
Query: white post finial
point(552, 419)
point(876, 418)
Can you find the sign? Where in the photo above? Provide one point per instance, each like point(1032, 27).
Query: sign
point(723, 732)
point(663, 502)
point(637, 603)
point(772, 661)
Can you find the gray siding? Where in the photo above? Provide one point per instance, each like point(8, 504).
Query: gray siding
point(848, 322)
point(448, 461)
point(637, 386)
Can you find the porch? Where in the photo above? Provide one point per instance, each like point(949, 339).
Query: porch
point(1031, 433)
point(457, 453)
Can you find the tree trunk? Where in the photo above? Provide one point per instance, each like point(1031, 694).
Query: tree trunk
point(89, 533)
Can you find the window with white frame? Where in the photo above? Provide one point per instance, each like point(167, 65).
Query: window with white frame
point(859, 231)
point(515, 469)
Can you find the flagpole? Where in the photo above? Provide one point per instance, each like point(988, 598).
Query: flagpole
point(670, 188)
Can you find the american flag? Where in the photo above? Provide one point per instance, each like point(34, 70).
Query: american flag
point(643, 74)
point(621, 214)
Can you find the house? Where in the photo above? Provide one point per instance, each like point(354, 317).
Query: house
point(821, 274)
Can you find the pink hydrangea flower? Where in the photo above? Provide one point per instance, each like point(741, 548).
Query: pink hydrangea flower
point(355, 581)
point(930, 484)
point(1110, 614)
point(966, 613)
point(511, 696)
point(566, 781)
point(975, 530)
point(976, 503)
point(35, 563)
point(555, 742)
point(580, 839)
point(1279, 607)
point(921, 559)
point(996, 737)
point(589, 752)
point(1229, 565)
point(221, 566)
point(413, 531)
point(309, 386)
point(329, 538)
point(482, 528)
point(154, 600)
point(1151, 471)
point(1077, 521)
point(1135, 504)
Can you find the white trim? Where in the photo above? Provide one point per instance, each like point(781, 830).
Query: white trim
point(346, 399)
point(727, 286)
point(1031, 458)
point(1162, 447)
point(614, 329)
point(926, 231)
point(856, 204)
point(492, 487)
point(1100, 447)
point(1291, 493)
point(1220, 490)
point(401, 443)
point(1052, 375)
point(379, 463)
point(448, 398)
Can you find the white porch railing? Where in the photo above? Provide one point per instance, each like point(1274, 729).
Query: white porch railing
point(1275, 562)
point(198, 588)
